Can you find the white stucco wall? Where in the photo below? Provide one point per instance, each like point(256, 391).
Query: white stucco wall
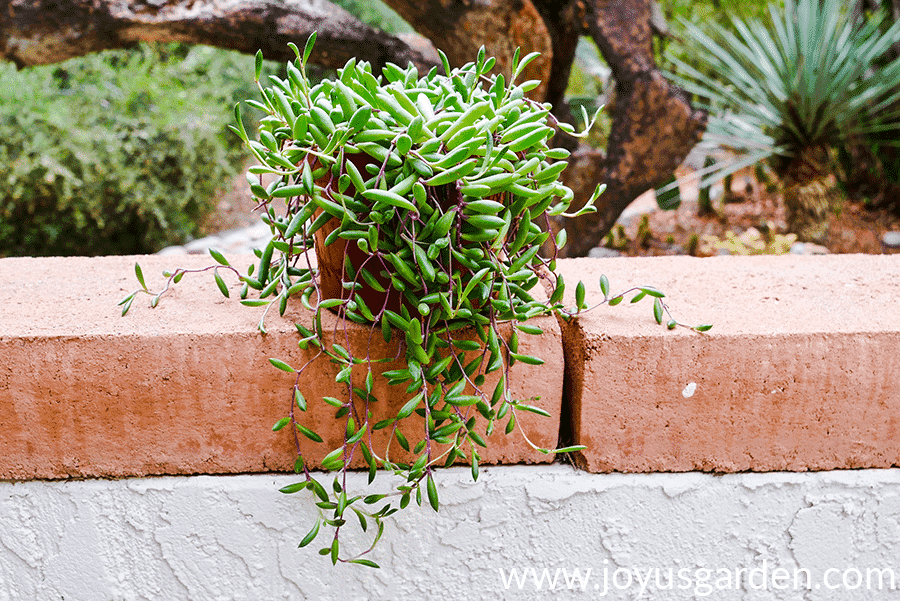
point(235, 537)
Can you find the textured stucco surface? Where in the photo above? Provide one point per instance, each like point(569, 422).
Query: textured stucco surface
point(801, 370)
point(235, 537)
point(187, 387)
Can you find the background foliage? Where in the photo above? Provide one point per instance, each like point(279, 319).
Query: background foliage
point(870, 167)
point(124, 152)
point(120, 152)
point(375, 13)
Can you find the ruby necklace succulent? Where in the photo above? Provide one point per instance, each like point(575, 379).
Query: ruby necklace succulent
point(432, 191)
point(427, 200)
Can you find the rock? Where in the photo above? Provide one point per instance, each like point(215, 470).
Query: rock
point(891, 239)
point(258, 236)
point(696, 158)
point(422, 44)
point(808, 248)
point(238, 241)
point(233, 237)
point(259, 230)
point(601, 252)
point(715, 193)
point(173, 250)
point(201, 245)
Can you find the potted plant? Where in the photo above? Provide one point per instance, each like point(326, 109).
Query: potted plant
point(426, 200)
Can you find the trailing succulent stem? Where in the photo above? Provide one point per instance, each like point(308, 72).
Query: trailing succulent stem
point(434, 193)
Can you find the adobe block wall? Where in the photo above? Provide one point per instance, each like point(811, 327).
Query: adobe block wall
point(799, 373)
point(187, 387)
point(801, 370)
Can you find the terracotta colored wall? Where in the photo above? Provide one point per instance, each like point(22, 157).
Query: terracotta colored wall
point(800, 371)
point(186, 387)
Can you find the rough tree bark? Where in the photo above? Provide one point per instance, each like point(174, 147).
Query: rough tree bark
point(461, 27)
point(653, 124)
point(38, 32)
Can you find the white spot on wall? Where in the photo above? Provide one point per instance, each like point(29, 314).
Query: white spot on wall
point(688, 391)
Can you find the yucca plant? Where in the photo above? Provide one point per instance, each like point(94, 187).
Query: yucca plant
point(790, 91)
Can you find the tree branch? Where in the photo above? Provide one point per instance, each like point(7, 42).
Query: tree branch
point(565, 24)
point(36, 32)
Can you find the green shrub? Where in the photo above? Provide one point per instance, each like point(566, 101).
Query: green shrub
point(375, 13)
point(790, 92)
point(702, 13)
point(120, 152)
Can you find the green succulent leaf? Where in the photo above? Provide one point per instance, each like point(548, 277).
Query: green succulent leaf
point(604, 286)
point(365, 562)
point(657, 310)
point(527, 359)
point(532, 409)
point(579, 296)
point(140, 276)
point(307, 50)
point(529, 329)
point(308, 433)
point(126, 303)
point(258, 65)
point(282, 365)
point(299, 399)
point(221, 284)
point(573, 448)
point(292, 488)
point(311, 535)
point(651, 292)
point(432, 492)
point(220, 259)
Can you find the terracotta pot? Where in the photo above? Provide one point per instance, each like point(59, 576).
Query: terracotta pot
point(331, 271)
point(331, 258)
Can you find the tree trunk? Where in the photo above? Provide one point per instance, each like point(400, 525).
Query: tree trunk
point(653, 124)
point(565, 24)
point(461, 28)
point(808, 195)
point(808, 207)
